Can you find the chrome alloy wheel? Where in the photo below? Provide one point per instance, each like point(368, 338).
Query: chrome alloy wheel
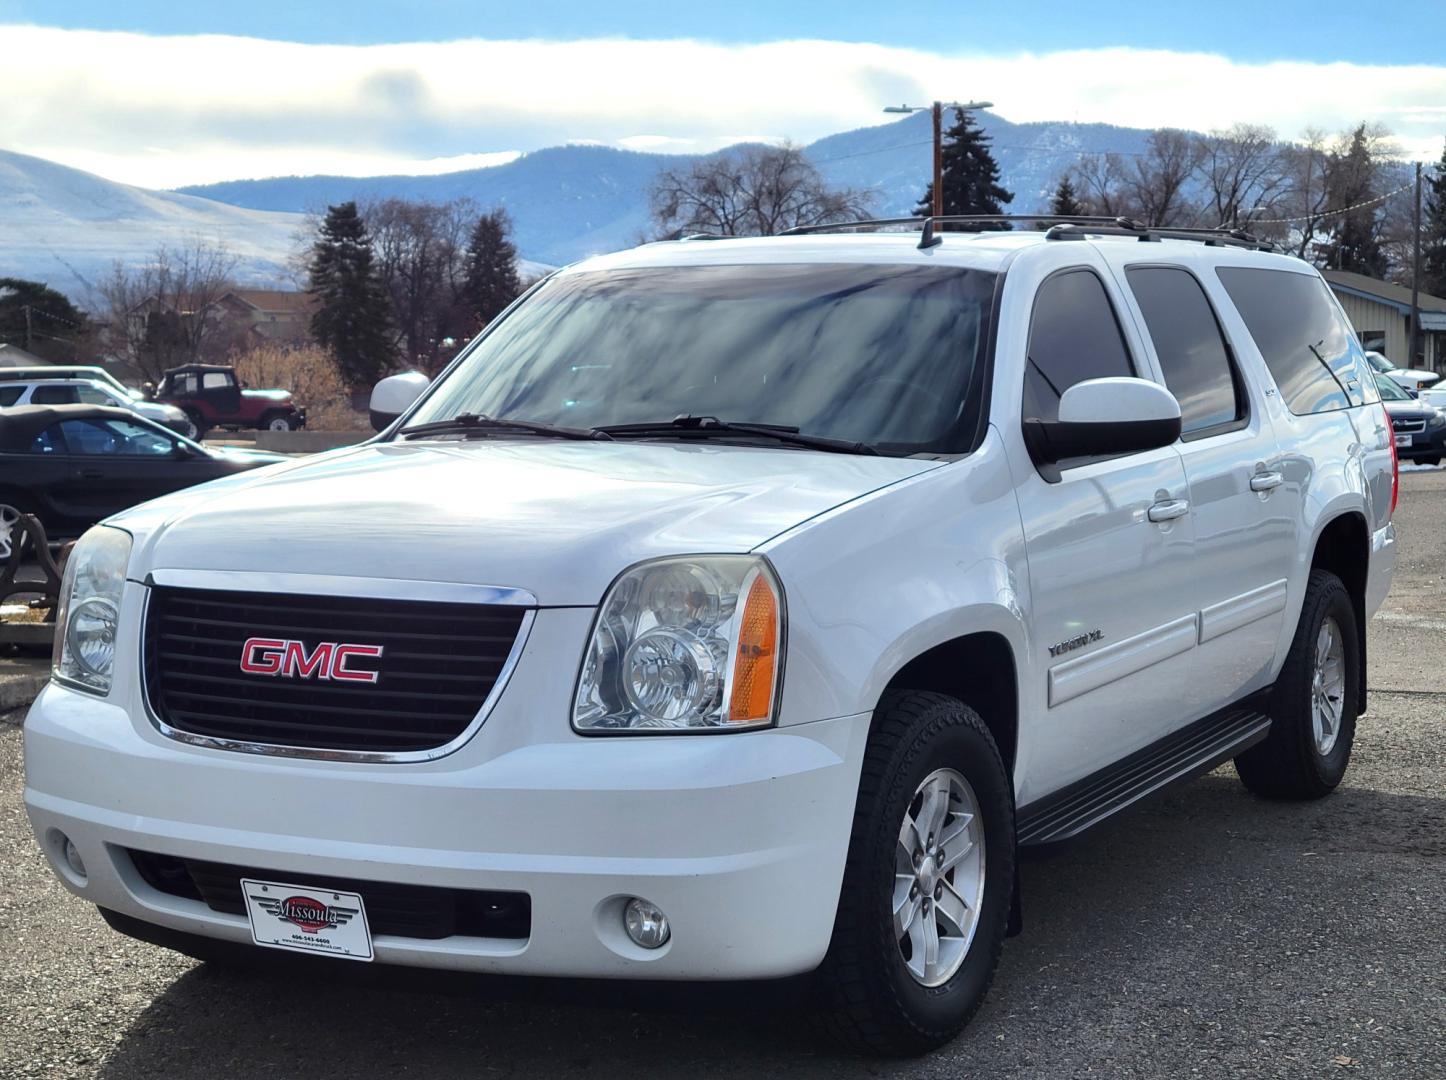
point(1328, 687)
point(938, 877)
point(9, 533)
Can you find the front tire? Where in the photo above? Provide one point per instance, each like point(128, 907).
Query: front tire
point(932, 779)
point(1313, 705)
point(278, 422)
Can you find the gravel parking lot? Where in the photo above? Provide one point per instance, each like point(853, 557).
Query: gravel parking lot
point(1205, 934)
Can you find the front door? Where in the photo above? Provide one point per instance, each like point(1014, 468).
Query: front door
point(1109, 544)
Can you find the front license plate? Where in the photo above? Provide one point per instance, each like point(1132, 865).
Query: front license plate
point(1403, 440)
point(306, 919)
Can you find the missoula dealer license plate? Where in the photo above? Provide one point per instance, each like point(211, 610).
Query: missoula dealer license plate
point(304, 919)
point(1403, 440)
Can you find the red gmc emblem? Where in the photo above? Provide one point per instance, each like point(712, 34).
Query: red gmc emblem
point(291, 660)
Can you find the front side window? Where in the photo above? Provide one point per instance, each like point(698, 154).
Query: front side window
point(94, 395)
point(1310, 349)
point(9, 395)
point(1192, 350)
point(54, 395)
point(114, 437)
point(881, 354)
point(48, 441)
point(1073, 336)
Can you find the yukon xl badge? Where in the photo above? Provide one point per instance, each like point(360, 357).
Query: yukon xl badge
point(285, 659)
point(1089, 637)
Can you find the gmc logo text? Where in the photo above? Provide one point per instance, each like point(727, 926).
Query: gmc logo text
point(291, 660)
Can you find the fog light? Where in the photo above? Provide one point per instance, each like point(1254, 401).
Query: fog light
point(645, 923)
point(73, 859)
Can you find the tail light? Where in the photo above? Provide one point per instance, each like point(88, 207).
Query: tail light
point(1395, 462)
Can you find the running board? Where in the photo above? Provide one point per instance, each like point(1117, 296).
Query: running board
point(1186, 753)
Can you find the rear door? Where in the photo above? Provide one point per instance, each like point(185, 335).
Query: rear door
point(1109, 544)
point(1244, 524)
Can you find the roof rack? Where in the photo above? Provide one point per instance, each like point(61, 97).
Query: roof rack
point(1063, 227)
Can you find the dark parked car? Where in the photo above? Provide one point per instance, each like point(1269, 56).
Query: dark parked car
point(1420, 429)
point(212, 397)
point(72, 465)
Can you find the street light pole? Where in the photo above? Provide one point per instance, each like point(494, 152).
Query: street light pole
point(938, 112)
point(1415, 275)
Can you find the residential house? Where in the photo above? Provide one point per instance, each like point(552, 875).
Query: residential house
point(1381, 313)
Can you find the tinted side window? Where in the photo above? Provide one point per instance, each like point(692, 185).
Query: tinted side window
point(1191, 348)
point(1310, 349)
point(48, 441)
point(9, 395)
point(54, 395)
point(1073, 336)
point(114, 437)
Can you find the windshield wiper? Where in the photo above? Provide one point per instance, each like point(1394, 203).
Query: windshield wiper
point(706, 426)
point(475, 423)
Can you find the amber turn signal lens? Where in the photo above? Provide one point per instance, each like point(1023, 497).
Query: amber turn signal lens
point(756, 661)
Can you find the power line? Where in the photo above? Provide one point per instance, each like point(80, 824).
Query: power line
point(1332, 213)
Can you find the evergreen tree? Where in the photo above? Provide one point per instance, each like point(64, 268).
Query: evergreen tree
point(971, 175)
point(490, 282)
point(351, 317)
point(39, 320)
point(1433, 226)
point(1351, 181)
point(1063, 203)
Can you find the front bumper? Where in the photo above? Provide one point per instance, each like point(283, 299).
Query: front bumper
point(1424, 444)
point(739, 838)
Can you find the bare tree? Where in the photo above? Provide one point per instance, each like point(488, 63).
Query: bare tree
point(756, 191)
point(1150, 187)
point(1244, 173)
point(166, 312)
point(1306, 198)
point(1097, 179)
point(413, 254)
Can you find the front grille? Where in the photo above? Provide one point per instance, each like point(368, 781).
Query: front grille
point(1408, 425)
point(411, 911)
point(439, 662)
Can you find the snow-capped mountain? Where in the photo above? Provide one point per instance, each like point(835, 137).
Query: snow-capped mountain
point(67, 227)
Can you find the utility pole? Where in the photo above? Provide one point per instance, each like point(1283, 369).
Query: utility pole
point(938, 111)
point(27, 328)
point(1415, 274)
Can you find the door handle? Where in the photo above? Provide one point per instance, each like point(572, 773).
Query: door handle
point(1168, 510)
point(91, 474)
point(1264, 481)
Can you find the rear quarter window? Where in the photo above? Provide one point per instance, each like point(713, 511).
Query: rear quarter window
point(1309, 347)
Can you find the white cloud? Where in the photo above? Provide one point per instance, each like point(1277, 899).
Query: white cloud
point(164, 111)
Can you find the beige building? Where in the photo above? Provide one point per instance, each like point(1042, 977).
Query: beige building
point(1381, 314)
point(272, 315)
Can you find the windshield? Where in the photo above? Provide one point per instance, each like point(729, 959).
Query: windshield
point(1390, 389)
point(1379, 362)
point(878, 354)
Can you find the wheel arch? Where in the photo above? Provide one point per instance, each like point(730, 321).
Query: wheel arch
point(1343, 547)
point(979, 669)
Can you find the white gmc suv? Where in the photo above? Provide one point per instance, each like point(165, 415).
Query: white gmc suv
point(734, 609)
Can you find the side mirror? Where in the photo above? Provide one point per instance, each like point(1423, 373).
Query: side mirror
point(394, 395)
point(1105, 417)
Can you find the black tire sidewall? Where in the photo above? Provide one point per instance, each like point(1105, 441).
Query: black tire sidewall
point(1334, 602)
point(943, 1009)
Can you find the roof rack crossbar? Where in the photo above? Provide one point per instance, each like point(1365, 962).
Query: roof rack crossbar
point(1209, 237)
point(956, 219)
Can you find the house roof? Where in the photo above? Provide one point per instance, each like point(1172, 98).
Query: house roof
point(15, 356)
point(273, 300)
point(1383, 292)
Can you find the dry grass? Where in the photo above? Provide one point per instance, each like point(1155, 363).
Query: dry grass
point(311, 374)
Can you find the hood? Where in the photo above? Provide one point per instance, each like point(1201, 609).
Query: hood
point(1413, 410)
point(268, 395)
point(241, 455)
point(558, 519)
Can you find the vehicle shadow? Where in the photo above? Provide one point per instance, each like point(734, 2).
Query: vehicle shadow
point(1143, 899)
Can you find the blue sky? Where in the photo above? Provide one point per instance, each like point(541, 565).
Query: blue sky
point(1401, 32)
point(163, 94)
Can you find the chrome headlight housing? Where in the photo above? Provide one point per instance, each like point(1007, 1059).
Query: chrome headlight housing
point(1438, 420)
point(684, 645)
point(88, 620)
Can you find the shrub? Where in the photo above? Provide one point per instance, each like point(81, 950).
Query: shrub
point(313, 377)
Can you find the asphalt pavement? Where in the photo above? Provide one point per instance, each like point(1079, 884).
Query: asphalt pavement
point(1206, 933)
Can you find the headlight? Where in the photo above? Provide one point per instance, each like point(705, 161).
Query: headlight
point(687, 645)
point(1437, 420)
point(89, 615)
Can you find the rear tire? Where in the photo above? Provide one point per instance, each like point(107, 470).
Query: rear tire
point(879, 995)
point(1313, 705)
point(196, 429)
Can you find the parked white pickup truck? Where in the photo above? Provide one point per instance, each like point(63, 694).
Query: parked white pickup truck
point(735, 609)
